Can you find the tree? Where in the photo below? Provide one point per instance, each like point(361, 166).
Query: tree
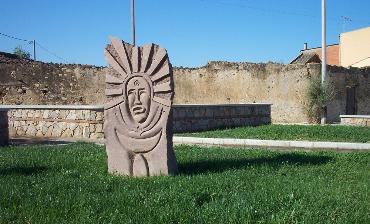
point(318, 97)
point(21, 52)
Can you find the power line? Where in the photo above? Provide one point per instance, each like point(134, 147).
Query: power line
point(35, 43)
point(244, 4)
point(50, 52)
point(23, 40)
point(264, 10)
point(360, 61)
point(12, 37)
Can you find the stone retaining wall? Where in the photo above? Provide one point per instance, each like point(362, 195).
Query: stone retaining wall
point(79, 122)
point(191, 118)
point(355, 120)
point(86, 122)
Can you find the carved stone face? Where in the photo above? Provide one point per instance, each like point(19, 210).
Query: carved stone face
point(138, 95)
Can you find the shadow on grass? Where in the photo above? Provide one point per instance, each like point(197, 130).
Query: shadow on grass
point(38, 141)
point(218, 166)
point(24, 171)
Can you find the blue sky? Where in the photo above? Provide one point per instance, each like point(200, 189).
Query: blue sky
point(193, 31)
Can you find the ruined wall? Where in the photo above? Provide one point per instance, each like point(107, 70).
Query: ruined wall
point(28, 82)
point(342, 79)
point(220, 82)
point(284, 86)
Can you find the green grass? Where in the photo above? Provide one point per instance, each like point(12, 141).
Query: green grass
point(70, 184)
point(334, 133)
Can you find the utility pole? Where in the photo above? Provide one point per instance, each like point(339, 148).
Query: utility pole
point(34, 50)
point(133, 21)
point(323, 61)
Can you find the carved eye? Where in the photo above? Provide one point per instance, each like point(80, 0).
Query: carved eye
point(141, 91)
point(131, 91)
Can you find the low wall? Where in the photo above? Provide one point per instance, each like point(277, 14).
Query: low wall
point(355, 120)
point(86, 122)
point(191, 118)
point(80, 122)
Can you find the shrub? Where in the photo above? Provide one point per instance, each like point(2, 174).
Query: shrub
point(318, 96)
point(19, 51)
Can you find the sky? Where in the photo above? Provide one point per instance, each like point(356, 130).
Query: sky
point(193, 31)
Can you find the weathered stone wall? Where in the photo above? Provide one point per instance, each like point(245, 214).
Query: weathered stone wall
point(86, 122)
point(192, 118)
point(29, 82)
point(221, 82)
point(342, 79)
point(284, 86)
point(79, 123)
point(355, 120)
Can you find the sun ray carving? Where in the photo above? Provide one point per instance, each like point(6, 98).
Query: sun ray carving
point(123, 54)
point(164, 87)
point(149, 61)
point(136, 63)
point(113, 103)
point(160, 56)
point(162, 72)
point(113, 79)
point(147, 54)
point(113, 92)
point(162, 101)
point(114, 63)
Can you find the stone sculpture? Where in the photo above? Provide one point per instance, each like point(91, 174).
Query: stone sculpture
point(138, 122)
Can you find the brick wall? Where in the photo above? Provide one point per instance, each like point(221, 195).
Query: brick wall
point(332, 54)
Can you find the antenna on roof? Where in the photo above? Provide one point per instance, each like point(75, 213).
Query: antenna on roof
point(345, 20)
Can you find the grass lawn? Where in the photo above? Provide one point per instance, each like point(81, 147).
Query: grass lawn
point(70, 184)
point(334, 133)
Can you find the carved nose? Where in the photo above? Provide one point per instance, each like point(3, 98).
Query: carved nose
point(137, 99)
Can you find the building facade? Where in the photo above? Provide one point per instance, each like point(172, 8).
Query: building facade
point(353, 50)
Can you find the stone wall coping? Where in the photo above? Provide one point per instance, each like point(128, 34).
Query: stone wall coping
point(101, 107)
point(51, 107)
point(351, 146)
point(355, 116)
point(222, 105)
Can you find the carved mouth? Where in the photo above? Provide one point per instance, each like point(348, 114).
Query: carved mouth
point(138, 110)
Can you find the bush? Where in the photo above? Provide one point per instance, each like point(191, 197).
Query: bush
point(19, 51)
point(318, 96)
